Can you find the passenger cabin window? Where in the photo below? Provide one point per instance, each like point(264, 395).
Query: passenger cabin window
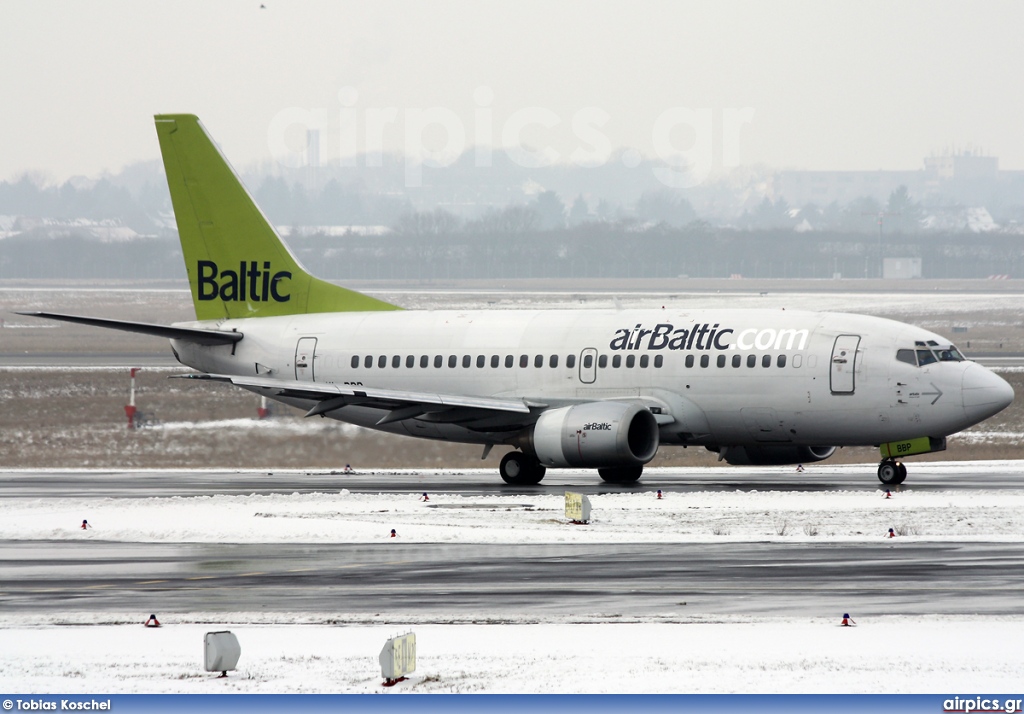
point(689, 361)
point(480, 361)
point(509, 361)
point(453, 361)
point(538, 361)
point(781, 361)
point(438, 361)
point(495, 360)
point(737, 360)
point(570, 361)
point(704, 360)
point(721, 360)
point(659, 360)
point(368, 361)
point(396, 362)
point(766, 361)
point(382, 361)
point(524, 360)
point(588, 361)
point(617, 361)
point(630, 360)
point(602, 361)
point(410, 362)
point(424, 361)
point(751, 360)
point(355, 361)
point(645, 360)
point(553, 361)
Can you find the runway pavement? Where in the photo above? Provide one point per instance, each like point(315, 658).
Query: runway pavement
point(141, 484)
point(494, 581)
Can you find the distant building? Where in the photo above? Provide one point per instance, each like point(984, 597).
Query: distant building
point(901, 268)
point(969, 166)
point(965, 177)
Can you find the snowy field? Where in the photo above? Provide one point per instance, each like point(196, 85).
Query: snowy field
point(887, 655)
point(632, 517)
point(866, 301)
point(83, 652)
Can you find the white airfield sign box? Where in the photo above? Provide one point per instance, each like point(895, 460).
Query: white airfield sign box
point(577, 507)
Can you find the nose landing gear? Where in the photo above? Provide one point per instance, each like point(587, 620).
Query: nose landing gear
point(892, 472)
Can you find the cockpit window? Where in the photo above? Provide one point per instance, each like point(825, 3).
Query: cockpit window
point(929, 353)
point(907, 356)
point(950, 354)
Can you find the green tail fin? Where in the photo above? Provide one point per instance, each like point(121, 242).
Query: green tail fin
point(237, 264)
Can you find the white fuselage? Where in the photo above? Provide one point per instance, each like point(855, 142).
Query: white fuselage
point(725, 377)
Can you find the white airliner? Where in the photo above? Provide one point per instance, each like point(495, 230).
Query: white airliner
point(600, 389)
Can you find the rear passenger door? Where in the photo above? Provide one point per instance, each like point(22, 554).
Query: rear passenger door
point(305, 355)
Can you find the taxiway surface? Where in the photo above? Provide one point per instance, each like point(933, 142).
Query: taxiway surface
point(493, 580)
point(484, 482)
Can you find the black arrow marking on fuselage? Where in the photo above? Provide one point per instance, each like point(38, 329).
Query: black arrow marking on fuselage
point(937, 393)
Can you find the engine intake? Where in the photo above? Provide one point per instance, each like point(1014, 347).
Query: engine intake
point(595, 435)
point(775, 455)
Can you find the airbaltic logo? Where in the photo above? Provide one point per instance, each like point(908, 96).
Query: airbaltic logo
point(248, 284)
point(706, 337)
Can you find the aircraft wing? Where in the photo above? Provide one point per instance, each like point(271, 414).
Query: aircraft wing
point(201, 337)
point(484, 413)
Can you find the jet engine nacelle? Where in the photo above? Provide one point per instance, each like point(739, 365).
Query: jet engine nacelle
point(596, 435)
point(775, 455)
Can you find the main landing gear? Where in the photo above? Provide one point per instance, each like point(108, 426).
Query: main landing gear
point(520, 469)
point(892, 472)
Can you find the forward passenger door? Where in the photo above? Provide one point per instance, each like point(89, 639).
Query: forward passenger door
point(844, 364)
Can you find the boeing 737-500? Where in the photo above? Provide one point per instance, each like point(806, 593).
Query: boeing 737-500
point(598, 389)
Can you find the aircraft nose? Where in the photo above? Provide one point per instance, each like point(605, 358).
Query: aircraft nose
point(984, 393)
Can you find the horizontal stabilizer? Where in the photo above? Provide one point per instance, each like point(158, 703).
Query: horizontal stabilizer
point(200, 337)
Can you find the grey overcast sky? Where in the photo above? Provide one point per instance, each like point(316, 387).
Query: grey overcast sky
point(821, 85)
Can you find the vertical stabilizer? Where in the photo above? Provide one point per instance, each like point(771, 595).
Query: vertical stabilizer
point(237, 264)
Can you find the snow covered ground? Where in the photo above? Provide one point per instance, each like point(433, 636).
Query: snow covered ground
point(867, 302)
point(633, 517)
point(888, 655)
point(285, 652)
